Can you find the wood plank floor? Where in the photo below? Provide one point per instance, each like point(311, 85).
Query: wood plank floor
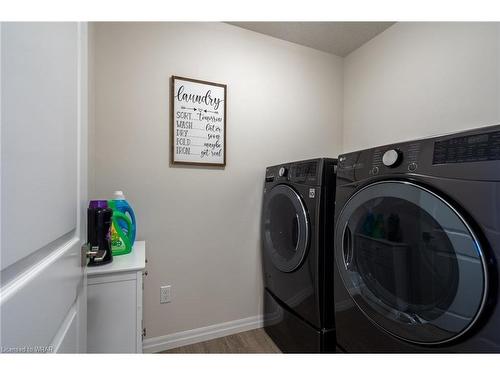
point(254, 341)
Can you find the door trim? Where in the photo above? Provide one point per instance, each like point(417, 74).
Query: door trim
point(82, 174)
point(13, 286)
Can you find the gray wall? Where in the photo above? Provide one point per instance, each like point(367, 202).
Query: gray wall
point(202, 225)
point(285, 102)
point(421, 79)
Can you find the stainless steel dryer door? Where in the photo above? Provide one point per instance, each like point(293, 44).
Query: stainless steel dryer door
point(285, 228)
point(410, 262)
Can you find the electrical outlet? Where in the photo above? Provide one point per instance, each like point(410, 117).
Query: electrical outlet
point(165, 294)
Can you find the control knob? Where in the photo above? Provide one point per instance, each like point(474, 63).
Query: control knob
point(391, 158)
point(282, 172)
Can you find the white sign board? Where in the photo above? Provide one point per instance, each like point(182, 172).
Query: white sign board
point(198, 129)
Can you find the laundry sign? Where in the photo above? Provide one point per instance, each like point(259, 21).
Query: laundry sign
point(198, 123)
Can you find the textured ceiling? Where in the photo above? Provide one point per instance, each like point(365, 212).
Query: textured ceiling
point(339, 38)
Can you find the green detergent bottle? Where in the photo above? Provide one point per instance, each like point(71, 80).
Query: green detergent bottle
point(121, 231)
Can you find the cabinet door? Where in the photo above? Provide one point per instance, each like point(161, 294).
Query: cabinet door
point(140, 320)
point(112, 317)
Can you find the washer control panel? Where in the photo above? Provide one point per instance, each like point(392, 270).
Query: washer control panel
point(472, 155)
point(472, 148)
point(400, 158)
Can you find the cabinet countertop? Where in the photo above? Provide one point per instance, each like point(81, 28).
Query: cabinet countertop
point(133, 261)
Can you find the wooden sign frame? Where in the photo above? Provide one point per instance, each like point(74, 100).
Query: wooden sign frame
point(174, 162)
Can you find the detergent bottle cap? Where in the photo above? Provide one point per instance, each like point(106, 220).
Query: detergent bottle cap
point(118, 195)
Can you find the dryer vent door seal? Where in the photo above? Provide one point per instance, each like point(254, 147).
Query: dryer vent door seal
point(414, 266)
point(285, 228)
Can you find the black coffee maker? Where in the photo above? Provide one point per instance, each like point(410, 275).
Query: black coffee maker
point(98, 233)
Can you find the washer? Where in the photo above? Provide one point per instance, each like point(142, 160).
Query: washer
point(297, 252)
point(416, 245)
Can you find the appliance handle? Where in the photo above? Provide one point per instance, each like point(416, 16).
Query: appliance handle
point(298, 231)
point(347, 248)
point(98, 259)
point(90, 251)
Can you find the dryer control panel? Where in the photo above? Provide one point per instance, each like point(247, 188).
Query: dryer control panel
point(300, 172)
point(312, 172)
point(306, 172)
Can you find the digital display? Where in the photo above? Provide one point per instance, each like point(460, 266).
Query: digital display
point(478, 138)
point(478, 147)
point(305, 170)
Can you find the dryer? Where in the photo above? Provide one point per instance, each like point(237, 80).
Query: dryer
point(417, 242)
point(297, 254)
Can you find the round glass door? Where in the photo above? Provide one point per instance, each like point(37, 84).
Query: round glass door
point(410, 262)
point(286, 228)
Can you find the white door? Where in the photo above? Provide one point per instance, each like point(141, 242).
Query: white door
point(43, 186)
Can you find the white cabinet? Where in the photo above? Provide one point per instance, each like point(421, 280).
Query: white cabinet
point(114, 316)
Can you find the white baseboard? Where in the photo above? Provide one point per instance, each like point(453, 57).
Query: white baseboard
point(193, 336)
